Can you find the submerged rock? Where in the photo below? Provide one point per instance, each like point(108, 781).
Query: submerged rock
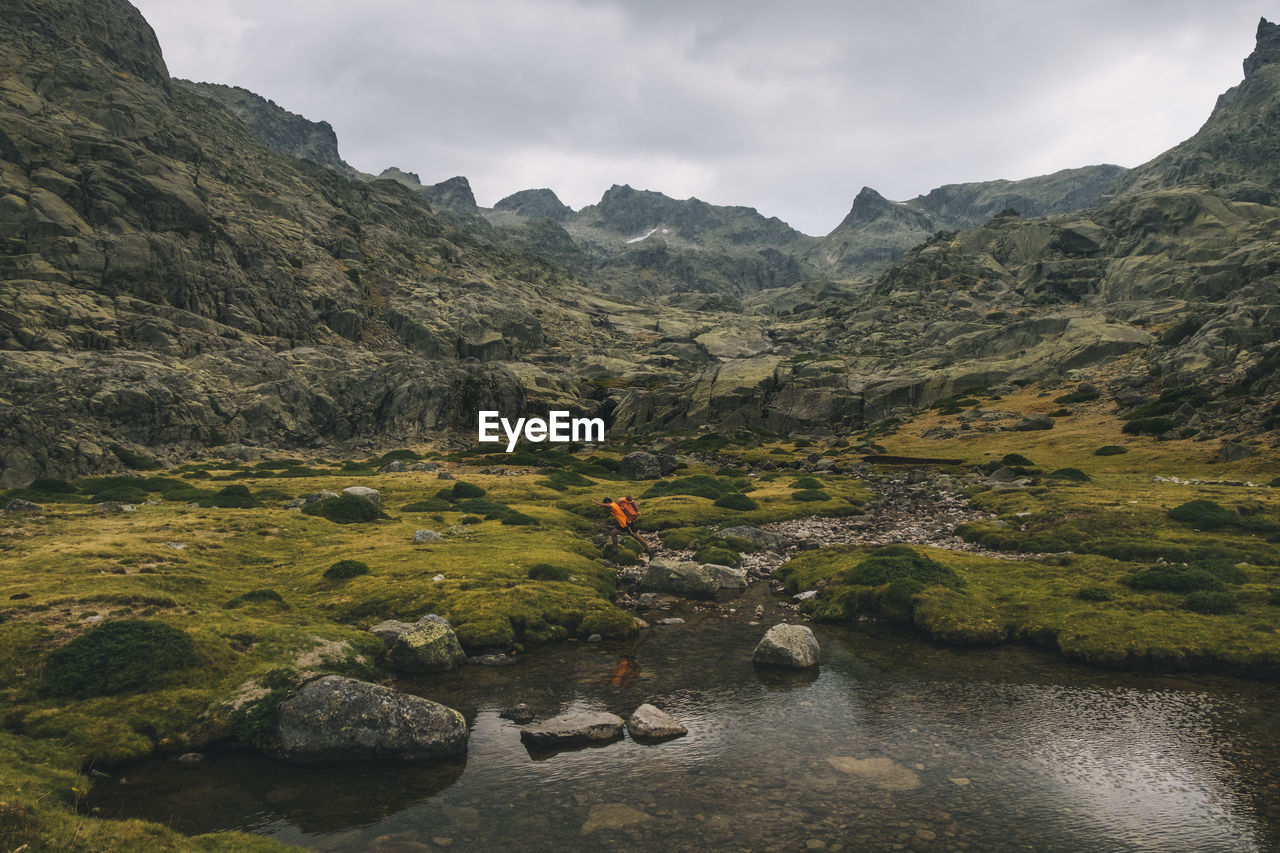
point(880, 771)
point(428, 645)
point(521, 713)
point(787, 645)
point(681, 578)
point(612, 816)
point(653, 723)
point(574, 728)
point(336, 718)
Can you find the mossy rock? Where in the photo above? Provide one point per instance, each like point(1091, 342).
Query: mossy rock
point(620, 556)
point(1077, 397)
point(608, 622)
point(490, 632)
point(1173, 579)
point(807, 483)
point(810, 495)
point(682, 538)
point(118, 656)
point(1071, 475)
point(344, 569)
point(1016, 460)
point(1149, 426)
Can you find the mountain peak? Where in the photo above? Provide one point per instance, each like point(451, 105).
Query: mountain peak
point(536, 204)
point(1266, 51)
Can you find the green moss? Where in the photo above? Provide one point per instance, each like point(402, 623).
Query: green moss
point(345, 509)
point(1110, 450)
point(548, 572)
point(1016, 460)
point(1072, 475)
point(491, 632)
point(717, 555)
point(807, 483)
point(736, 501)
point(810, 495)
point(1172, 579)
point(682, 538)
point(1095, 593)
point(117, 656)
point(232, 497)
point(699, 485)
point(1210, 602)
point(429, 505)
point(344, 569)
point(257, 596)
point(892, 562)
point(464, 491)
point(619, 555)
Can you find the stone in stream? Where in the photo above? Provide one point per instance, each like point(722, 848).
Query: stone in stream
point(334, 718)
point(576, 727)
point(879, 771)
point(428, 645)
point(653, 723)
point(612, 816)
point(727, 576)
point(681, 578)
point(787, 645)
point(521, 713)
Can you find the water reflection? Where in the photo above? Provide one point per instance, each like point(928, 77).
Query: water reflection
point(892, 742)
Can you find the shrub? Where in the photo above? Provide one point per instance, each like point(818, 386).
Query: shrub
point(1016, 460)
point(736, 501)
point(561, 480)
point(1275, 596)
point(258, 596)
point(346, 569)
point(699, 485)
point(1173, 579)
point(1148, 426)
point(807, 483)
point(810, 495)
point(518, 519)
point(1211, 602)
point(429, 505)
point(119, 492)
point(1204, 514)
point(232, 497)
point(899, 598)
point(1221, 568)
point(1095, 593)
point(718, 555)
point(1074, 475)
point(51, 486)
point(344, 509)
point(471, 519)
point(1275, 484)
point(117, 656)
point(464, 491)
point(548, 572)
point(1110, 450)
point(894, 562)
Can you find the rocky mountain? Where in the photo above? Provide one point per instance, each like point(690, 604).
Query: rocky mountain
point(878, 231)
point(186, 269)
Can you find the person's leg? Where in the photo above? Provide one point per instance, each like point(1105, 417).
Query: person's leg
point(614, 534)
point(637, 537)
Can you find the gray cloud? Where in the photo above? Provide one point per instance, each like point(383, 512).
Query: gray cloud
point(787, 108)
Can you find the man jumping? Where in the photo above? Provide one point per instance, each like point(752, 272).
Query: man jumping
point(624, 520)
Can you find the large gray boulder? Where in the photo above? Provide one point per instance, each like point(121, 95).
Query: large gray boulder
point(727, 577)
point(679, 578)
point(373, 496)
point(650, 723)
point(763, 538)
point(787, 645)
point(428, 645)
point(641, 466)
point(336, 718)
point(575, 727)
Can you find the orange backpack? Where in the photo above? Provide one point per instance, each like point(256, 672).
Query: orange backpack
point(629, 507)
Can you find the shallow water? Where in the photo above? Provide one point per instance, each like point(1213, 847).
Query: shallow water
point(978, 749)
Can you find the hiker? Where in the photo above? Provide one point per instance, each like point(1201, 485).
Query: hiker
point(624, 512)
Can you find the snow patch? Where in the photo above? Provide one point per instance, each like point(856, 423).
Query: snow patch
point(651, 232)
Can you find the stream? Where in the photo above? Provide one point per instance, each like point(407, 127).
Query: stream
point(893, 744)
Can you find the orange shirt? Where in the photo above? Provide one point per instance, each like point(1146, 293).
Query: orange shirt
point(618, 514)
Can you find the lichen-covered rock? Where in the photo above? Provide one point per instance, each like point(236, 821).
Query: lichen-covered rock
point(575, 727)
point(422, 537)
point(428, 645)
point(1033, 422)
point(373, 496)
point(18, 506)
point(763, 538)
point(787, 645)
point(652, 723)
point(679, 578)
point(335, 718)
point(640, 466)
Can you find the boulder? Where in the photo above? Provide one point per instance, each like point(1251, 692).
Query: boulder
point(680, 578)
point(308, 500)
point(114, 507)
point(373, 496)
point(1033, 422)
point(421, 467)
point(399, 466)
point(428, 645)
point(18, 506)
point(421, 537)
point(334, 718)
point(444, 475)
point(727, 577)
point(1232, 451)
point(641, 466)
point(520, 713)
point(653, 723)
point(575, 727)
point(787, 645)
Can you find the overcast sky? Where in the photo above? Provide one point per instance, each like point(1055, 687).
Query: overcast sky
point(786, 107)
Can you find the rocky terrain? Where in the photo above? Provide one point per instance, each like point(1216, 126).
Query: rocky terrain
point(187, 265)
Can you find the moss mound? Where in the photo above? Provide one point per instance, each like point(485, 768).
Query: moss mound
point(738, 501)
point(232, 497)
point(344, 509)
point(1173, 579)
point(895, 562)
point(1071, 475)
point(257, 596)
point(548, 572)
point(1211, 603)
point(810, 495)
point(346, 569)
point(1016, 460)
point(1110, 450)
point(117, 656)
point(807, 483)
point(718, 555)
point(1095, 593)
